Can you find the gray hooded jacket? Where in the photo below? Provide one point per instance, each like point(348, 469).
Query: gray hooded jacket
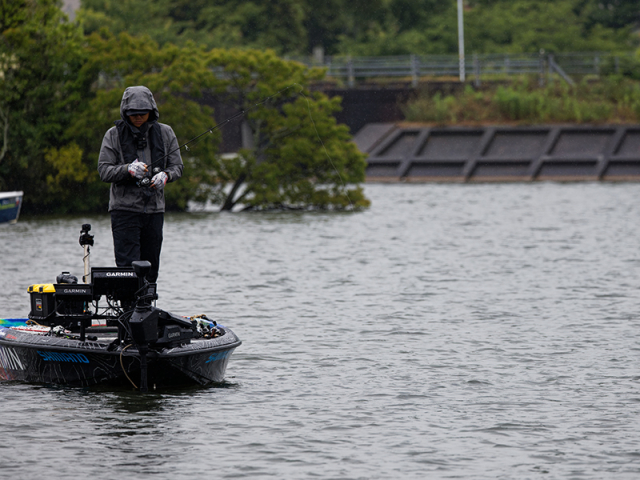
point(112, 167)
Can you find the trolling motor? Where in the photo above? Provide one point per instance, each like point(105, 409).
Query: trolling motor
point(143, 322)
point(153, 327)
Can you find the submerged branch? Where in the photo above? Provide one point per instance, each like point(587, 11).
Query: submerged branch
point(229, 202)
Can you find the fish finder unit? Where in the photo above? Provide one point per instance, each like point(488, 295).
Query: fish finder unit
point(116, 283)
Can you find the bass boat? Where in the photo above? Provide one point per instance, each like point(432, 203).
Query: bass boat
point(10, 204)
point(107, 330)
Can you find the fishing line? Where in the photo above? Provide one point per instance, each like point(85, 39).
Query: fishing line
point(222, 124)
point(254, 106)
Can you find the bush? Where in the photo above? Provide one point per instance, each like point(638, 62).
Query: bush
point(614, 99)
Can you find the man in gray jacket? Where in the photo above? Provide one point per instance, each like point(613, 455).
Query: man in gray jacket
point(138, 157)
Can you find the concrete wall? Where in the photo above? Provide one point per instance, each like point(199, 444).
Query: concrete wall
point(369, 105)
point(359, 108)
point(499, 154)
point(475, 154)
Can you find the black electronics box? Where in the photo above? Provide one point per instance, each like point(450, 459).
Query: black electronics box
point(73, 300)
point(118, 283)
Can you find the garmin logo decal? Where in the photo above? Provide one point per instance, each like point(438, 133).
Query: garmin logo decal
point(120, 274)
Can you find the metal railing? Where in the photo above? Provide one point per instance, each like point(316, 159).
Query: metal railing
point(350, 70)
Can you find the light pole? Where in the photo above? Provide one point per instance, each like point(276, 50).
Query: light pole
point(461, 42)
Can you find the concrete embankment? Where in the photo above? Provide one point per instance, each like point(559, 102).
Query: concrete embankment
point(402, 152)
point(486, 154)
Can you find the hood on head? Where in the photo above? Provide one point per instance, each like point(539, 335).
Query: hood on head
point(141, 99)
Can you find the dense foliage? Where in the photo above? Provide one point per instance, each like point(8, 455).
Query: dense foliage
point(61, 84)
point(176, 76)
point(614, 99)
point(39, 53)
point(375, 27)
point(297, 156)
point(60, 91)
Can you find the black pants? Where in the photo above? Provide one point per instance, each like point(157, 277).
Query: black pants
point(137, 236)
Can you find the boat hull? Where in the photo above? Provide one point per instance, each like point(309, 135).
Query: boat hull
point(10, 204)
point(53, 360)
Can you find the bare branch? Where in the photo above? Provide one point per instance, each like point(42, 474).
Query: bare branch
point(4, 118)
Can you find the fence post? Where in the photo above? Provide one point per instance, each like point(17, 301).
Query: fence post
point(415, 73)
point(351, 78)
point(476, 70)
point(541, 68)
point(554, 67)
point(461, 60)
point(318, 54)
point(596, 62)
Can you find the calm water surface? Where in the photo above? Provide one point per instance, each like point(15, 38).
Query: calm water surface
point(451, 331)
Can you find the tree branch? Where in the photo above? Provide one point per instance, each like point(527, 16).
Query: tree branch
point(229, 202)
point(4, 118)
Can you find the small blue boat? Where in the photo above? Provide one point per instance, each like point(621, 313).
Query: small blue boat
point(10, 203)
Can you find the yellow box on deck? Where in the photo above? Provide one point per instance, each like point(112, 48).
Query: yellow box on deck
point(42, 301)
point(42, 288)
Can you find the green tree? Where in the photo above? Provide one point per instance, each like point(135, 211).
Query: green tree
point(40, 54)
point(176, 76)
point(288, 166)
point(325, 21)
point(614, 13)
point(140, 17)
point(297, 156)
point(493, 26)
point(420, 27)
point(375, 27)
point(276, 24)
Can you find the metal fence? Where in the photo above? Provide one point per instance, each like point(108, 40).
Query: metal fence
point(415, 68)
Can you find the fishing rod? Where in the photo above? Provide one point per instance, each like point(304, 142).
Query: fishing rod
point(210, 130)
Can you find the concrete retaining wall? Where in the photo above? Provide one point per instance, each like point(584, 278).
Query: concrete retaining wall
point(500, 154)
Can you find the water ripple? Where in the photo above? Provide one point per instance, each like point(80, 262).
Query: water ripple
point(451, 331)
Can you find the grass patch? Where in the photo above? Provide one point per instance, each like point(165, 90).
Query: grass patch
point(608, 101)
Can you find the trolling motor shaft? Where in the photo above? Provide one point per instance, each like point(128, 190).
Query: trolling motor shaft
point(86, 241)
point(143, 322)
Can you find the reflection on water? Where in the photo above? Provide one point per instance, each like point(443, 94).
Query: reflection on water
point(451, 331)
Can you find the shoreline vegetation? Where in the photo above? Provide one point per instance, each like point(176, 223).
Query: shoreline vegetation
point(61, 84)
point(609, 100)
